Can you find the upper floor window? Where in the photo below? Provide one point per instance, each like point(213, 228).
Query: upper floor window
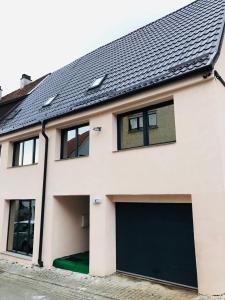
point(75, 142)
point(148, 126)
point(26, 152)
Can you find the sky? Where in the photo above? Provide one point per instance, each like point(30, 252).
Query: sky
point(41, 36)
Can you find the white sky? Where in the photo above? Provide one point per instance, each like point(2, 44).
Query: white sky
point(40, 36)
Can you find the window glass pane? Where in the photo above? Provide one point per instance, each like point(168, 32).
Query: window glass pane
point(69, 144)
point(24, 152)
point(36, 151)
point(31, 229)
point(21, 226)
point(152, 119)
point(28, 152)
point(18, 153)
point(133, 123)
point(165, 130)
point(24, 210)
point(21, 145)
point(12, 230)
point(83, 141)
point(141, 122)
point(136, 122)
point(129, 138)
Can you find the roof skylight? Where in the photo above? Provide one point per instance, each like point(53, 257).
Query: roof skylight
point(97, 82)
point(49, 100)
point(12, 114)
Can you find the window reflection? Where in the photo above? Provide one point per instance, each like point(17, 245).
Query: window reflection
point(148, 126)
point(83, 141)
point(36, 150)
point(75, 142)
point(26, 152)
point(152, 119)
point(131, 131)
point(69, 144)
point(21, 226)
point(162, 126)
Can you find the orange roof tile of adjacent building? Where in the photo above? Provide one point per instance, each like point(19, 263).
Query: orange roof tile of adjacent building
point(20, 93)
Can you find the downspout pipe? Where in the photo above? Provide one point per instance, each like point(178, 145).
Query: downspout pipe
point(40, 261)
point(217, 75)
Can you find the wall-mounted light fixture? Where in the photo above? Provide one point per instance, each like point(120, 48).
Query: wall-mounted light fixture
point(97, 200)
point(97, 129)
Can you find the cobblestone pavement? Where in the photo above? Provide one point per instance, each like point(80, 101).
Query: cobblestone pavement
point(19, 282)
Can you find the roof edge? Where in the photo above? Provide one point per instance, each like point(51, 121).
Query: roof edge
point(216, 55)
point(206, 69)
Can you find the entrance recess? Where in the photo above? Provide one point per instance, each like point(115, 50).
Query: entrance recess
point(71, 238)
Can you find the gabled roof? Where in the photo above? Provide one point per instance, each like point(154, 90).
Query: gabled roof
point(20, 93)
point(175, 46)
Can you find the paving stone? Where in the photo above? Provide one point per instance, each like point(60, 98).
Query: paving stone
point(59, 284)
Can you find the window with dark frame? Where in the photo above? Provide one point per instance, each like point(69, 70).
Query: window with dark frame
point(26, 152)
point(148, 126)
point(21, 227)
point(75, 142)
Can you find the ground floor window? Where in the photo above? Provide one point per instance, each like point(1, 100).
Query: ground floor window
point(21, 226)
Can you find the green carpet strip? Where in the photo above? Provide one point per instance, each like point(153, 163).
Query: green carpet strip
point(75, 263)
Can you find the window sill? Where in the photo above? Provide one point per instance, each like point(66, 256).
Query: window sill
point(72, 158)
point(15, 167)
point(145, 147)
point(16, 255)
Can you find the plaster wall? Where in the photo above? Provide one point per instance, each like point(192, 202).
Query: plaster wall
point(192, 167)
point(19, 183)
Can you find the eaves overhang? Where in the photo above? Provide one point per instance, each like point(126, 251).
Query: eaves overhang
point(205, 72)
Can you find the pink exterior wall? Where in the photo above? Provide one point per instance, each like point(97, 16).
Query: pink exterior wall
point(19, 183)
point(192, 169)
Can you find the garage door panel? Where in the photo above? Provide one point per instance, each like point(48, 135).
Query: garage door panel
point(156, 240)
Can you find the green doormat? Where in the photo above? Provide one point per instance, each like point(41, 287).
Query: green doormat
point(75, 263)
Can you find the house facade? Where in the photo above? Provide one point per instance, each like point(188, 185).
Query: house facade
point(102, 159)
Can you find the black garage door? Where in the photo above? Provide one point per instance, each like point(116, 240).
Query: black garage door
point(156, 240)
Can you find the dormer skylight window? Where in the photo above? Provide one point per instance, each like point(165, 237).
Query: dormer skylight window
point(97, 82)
point(49, 101)
point(12, 115)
